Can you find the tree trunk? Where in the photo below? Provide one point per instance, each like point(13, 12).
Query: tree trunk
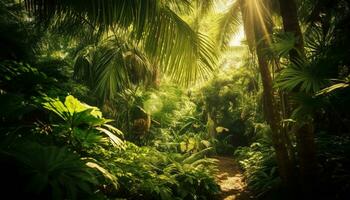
point(291, 25)
point(306, 150)
point(283, 161)
point(304, 133)
point(258, 27)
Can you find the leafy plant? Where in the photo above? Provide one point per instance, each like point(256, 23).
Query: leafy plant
point(337, 86)
point(194, 142)
point(333, 155)
point(113, 66)
point(260, 168)
point(81, 122)
point(144, 172)
point(52, 172)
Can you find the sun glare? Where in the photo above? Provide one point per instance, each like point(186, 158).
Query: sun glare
point(260, 12)
point(221, 6)
point(237, 38)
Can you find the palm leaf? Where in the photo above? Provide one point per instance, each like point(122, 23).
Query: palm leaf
point(229, 24)
point(283, 44)
point(109, 176)
point(182, 53)
point(308, 77)
point(113, 66)
point(343, 84)
point(196, 156)
point(185, 55)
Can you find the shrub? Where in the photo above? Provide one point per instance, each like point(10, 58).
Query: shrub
point(260, 167)
point(49, 172)
point(144, 172)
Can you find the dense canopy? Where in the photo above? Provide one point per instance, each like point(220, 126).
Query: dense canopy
point(175, 99)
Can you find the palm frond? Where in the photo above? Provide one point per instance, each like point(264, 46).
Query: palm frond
point(185, 55)
point(179, 6)
point(100, 12)
point(307, 106)
point(283, 44)
point(340, 85)
point(57, 171)
point(229, 24)
point(316, 41)
point(306, 78)
point(169, 40)
point(113, 66)
point(205, 6)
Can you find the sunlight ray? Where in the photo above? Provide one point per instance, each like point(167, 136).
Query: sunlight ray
point(260, 12)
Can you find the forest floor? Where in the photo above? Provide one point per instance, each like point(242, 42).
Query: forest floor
point(231, 180)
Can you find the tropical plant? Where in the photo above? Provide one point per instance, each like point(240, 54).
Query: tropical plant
point(51, 172)
point(231, 101)
point(113, 66)
point(337, 86)
point(259, 167)
point(256, 18)
point(160, 175)
point(152, 24)
point(286, 85)
point(82, 124)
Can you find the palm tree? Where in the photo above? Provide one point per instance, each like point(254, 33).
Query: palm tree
point(313, 68)
point(304, 133)
point(256, 18)
point(300, 79)
point(162, 39)
point(113, 65)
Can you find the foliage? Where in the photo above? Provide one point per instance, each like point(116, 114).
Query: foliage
point(228, 24)
point(129, 57)
point(308, 78)
point(113, 66)
point(15, 74)
point(78, 126)
point(169, 104)
point(189, 142)
point(18, 38)
point(57, 173)
point(81, 122)
point(153, 24)
point(333, 156)
point(259, 165)
point(231, 101)
point(342, 84)
point(159, 175)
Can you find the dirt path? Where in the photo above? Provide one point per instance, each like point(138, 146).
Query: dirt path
point(230, 179)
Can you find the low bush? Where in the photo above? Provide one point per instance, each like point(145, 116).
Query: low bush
point(259, 166)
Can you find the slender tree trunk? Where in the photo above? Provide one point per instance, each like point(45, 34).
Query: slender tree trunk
point(258, 34)
point(291, 25)
point(304, 133)
point(283, 161)
point(307, 158)
point(285, 113)
point(307, 151)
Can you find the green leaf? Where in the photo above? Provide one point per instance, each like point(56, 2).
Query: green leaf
point(183, 146)
point(221, 129)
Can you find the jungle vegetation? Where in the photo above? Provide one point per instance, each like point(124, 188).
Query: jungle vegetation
point(136, 99)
